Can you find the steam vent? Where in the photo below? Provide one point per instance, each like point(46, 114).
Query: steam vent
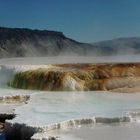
point(80, 77)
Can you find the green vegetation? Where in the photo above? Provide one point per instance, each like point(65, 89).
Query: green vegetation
point(40, 79)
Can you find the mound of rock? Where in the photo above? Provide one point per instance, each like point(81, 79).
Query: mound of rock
point(80, 77)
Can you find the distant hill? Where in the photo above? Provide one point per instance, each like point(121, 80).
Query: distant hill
point(18, 42)
point(22, 42)
point(120, 46)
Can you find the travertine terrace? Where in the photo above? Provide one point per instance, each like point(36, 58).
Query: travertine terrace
point(122, 77)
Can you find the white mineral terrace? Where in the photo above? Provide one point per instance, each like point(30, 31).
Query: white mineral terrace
point(7, 103)
point(45, 108)
point(52, 110)
point(124, 131)
point(68, 59)
point(47, 111)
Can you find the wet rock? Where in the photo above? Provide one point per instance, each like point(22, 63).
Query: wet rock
point(80, 77)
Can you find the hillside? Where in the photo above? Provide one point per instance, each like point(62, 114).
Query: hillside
point(23, 42)
point(119, 46)
point(18, 42)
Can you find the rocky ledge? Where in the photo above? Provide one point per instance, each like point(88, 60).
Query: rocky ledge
point(81, 77)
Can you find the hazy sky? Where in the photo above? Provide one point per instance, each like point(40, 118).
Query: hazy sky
point(83, 20)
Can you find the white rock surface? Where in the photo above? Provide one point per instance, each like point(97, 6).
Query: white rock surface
point(47, 110)
point(68, 59)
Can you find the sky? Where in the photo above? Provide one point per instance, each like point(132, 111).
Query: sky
point(82, 20)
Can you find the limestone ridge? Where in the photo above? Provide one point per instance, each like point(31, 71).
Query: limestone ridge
point(22, 42)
